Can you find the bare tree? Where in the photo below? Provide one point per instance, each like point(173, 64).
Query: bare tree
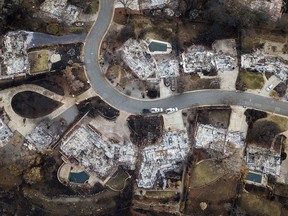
point(125, 3)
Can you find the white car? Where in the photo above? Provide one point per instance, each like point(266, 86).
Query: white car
point(171, 110)
point(268, 89)
point(156, 110)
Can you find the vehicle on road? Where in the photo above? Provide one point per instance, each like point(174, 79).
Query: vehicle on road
point(152, 110)
point(268, 89)
point(156, 110)
point(171, 110)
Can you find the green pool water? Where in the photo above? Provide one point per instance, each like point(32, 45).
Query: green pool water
point(156, 46)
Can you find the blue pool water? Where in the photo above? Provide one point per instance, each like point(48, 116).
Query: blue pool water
point(254, 177)
point(79, 178)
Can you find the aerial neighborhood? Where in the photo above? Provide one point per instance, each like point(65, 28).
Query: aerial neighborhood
point(144, 107)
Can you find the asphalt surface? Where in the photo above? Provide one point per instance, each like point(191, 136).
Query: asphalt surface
point(189, 99)
point(42, 39)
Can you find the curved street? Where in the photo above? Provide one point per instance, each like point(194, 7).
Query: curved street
point(189, 99)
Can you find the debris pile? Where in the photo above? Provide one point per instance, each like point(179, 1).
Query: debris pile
point(218, 139)
point(199, 59)
point(262, 64)
point(95, 152)
point(135, 55)
point(5, 133)
point(150, 4)
point(158, 159)
point(60, 10)
point(15, 56)
point(263, 160)
point(44, 135)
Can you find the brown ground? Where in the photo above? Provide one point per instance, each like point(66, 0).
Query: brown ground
point(190, 82)
point(145, 130)
point(251, 38)
point(217, 117)
point(264, 128)
point(216, 195)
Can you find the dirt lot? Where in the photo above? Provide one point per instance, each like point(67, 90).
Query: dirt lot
point(264, 128)
point(251, 39)
point(118, 180)
point(258, 205)
point(39, 61)
point(205, 173)
point(190, 82)
point(281, 89)
point(249, 80)
point(145, 130)
point(122, 78)
point(217, 117)
point(218, 196)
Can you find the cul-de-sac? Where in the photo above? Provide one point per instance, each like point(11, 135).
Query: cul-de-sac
point(143, 107)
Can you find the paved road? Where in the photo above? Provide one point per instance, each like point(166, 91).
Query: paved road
point(197, 98)
point(41, 39)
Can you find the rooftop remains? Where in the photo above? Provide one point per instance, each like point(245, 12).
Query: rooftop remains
point(158, 159)
point(263, 63)
point(44, 135)
point(263, 160)
point(132, 4)
point(198, 58)
point(134, 54)
point(147, 64)
point(96, 153)
point(218, 139)
point(272, 7)
point(60, 10)
point(151, 4)
point(168, 67)
point(5, 133)
point(15, 46)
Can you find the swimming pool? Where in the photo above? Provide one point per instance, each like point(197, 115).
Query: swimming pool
point(254, 177)
point(80, 178)
point(157, 47)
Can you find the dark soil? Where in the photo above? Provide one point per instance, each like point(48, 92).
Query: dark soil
point(253, 115)
point(70, 53)
point(262, 133)
point(217, 117)
point(97, 106)
point(268, 75)
point(215, 32)
point(145, 130)
point(217, 195)
point(212, 72)
point(45, 80)
point(33, 105)
point(281, 89)
point(51, 82)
